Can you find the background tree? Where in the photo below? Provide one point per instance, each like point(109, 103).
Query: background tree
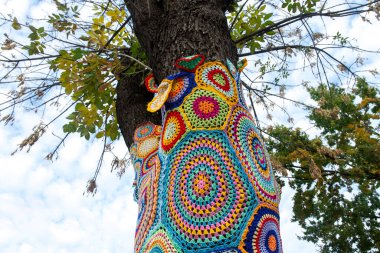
point(84, 63)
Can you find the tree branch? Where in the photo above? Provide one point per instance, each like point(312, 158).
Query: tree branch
point(290, 20)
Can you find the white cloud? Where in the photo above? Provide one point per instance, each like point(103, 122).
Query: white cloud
point(17, 8)
point(42, 206)
point(42, 9)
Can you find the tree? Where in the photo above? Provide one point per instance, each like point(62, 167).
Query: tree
point(108, 56)
point(336, 175)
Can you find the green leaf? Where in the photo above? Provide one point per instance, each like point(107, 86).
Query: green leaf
point(77, 53)
point(32, 28)
point(99, 135)
point(33, 36)
point(15, 24)
point(69, 128)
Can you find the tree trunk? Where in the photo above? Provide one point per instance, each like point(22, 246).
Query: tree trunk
point(203, 179)
point(168, 30)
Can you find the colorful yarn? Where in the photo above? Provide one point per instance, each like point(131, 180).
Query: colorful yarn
point(236, 75)
point(242, 64)
point(147, 171)
point(209, 198)
point(204, 182)
point(263, 233)
point(161, 96)
point(240, 92)
point(232, 68)
point(174, 129)
point(244, 138)
point(215, 75)
point(229, 251)
point(182, 86)
point(159, 242)
point(146, 130)
point(151, 84)
point(205, 109)
point(190, 63)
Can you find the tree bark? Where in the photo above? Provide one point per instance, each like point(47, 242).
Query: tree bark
point(167, 30)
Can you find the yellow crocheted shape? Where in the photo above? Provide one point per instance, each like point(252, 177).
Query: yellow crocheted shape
point(217, 76)
point(242, 64)
point(161, 97)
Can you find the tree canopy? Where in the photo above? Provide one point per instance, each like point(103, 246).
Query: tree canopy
point(75, 58)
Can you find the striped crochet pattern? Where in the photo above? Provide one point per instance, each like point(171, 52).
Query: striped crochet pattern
point(144, 154)
point(204, 182)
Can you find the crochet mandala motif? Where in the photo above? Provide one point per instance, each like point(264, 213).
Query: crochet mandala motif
point(208, 197)
point(151, 84)
point(203, 180)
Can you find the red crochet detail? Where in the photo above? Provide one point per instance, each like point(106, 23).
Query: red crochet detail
point(190, 63)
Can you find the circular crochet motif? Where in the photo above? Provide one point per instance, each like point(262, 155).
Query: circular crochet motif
point(205, 109)
point(263, 233)
point(182, 85)
point(174, 129)
point(147, 146)
point(245, 139)
point(209, 199)
point(159, 242)
point(143, 131)
point(151, 84)
point(216, 75)
point(161, 96)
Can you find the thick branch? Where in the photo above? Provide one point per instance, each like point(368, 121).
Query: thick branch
point(302, 16)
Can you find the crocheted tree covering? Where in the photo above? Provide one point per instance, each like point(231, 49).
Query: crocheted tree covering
point(144, 154)
point(205, 183)
point(189, 63)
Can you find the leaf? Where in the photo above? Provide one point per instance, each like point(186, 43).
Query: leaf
point(15, 24)
point(69, 128)
point(77, 53)
point(32, 28)
point(99, 134)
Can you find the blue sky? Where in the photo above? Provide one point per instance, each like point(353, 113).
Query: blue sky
point(43, 208)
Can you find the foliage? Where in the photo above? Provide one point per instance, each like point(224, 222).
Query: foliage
point(336, 174)
point(73, 62)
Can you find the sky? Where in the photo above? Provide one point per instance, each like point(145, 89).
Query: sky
point(42, 205)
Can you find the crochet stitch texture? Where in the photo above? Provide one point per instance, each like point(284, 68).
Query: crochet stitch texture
point(203, 181)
